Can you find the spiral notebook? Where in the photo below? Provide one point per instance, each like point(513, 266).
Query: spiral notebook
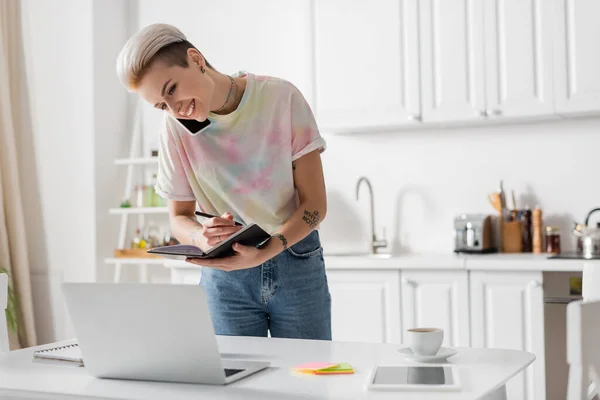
point(68, 353)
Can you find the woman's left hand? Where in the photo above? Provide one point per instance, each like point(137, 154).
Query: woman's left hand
point(246, 257)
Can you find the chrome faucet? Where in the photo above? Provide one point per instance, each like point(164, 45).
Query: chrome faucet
point(375, 243)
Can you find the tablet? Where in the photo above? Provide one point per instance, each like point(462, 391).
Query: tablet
point(412, 377)
point(250, 235)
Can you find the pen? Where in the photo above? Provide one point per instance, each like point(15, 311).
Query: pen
point(200, 213)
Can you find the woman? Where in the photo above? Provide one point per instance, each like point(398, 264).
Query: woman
point(257, 162)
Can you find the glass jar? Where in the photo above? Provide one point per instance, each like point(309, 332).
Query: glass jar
point(552, 240)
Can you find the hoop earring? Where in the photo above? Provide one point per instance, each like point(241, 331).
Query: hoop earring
point(202, 69)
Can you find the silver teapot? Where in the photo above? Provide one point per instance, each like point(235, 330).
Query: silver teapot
point(588, 238)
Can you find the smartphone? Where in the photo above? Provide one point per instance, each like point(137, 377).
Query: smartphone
point(194, 127)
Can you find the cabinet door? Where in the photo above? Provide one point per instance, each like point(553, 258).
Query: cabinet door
point(452, 70)
point(518, 57)
point(577, 60)
point(437, 299)
point(507, 311)
point(366, 64)
point(365, 305)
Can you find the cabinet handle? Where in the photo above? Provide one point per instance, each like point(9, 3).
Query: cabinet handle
point(497, 112)
point(414, 117)
point(407, 281)
point(483, 113)
point(535, 284)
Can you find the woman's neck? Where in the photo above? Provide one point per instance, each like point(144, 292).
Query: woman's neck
point(223, 86)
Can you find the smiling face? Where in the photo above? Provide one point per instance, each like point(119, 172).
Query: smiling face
point(185, 93)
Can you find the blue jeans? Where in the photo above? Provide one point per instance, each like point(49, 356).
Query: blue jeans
point(287, 295)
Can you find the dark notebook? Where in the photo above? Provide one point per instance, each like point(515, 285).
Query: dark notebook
point(251, 235)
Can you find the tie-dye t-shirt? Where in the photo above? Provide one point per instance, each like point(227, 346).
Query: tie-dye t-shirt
point(242, 163)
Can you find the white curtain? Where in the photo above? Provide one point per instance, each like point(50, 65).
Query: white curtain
point(13, 243)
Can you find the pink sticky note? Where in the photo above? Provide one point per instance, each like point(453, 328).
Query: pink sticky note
point(314, 366)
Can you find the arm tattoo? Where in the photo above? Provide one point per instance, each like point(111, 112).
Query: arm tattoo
point(283, 240)
point(312, 219)
point(194, 236)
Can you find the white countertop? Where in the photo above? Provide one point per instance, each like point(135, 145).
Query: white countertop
point(495, 262)
point(481, 372)
point(523, 262)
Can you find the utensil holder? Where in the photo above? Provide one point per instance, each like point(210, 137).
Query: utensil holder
point(512, 235)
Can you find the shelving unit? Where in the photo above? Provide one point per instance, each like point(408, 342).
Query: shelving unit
point(136, 162)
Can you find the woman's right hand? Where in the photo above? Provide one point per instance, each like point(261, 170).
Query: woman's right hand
point(217, 229)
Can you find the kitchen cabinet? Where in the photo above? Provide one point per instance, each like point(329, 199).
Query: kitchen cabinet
point(518, 58)
point(485, 59)
point(577, 60)
point(365, 305)
point(366, 63)
point(432, 62)
point(437, 298)
point(452, 60)
point(507, 311)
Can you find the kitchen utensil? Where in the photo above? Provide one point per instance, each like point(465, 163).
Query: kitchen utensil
point(505, 213)
point(514, 201)
point(590, 242)
point(525, 216)
point(588, 238)
point(495, 201)
point(502, 196)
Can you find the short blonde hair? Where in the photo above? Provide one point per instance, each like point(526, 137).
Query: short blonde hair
point(156, 41)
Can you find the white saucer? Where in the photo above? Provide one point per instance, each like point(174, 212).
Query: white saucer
point(442, 354)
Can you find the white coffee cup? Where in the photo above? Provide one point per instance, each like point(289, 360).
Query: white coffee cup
point(425, 341)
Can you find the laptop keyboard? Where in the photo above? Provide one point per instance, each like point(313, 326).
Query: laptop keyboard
point(229, 372)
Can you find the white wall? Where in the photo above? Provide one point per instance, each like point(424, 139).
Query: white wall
point(422, 179)
point(78, 126)
point(57, 154)
point(113, 111)
point(263, 37)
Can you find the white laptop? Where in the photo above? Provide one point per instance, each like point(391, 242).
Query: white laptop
point(156, 332)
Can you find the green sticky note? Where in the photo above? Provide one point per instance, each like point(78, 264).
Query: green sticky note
point(341, 368)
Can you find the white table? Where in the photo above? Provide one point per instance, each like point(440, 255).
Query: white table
point(484, 374)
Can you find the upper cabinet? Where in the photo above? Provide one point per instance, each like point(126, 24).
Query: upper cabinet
point(392, 63)
point(366, 63)
point(451, 60)
point(518, 58)
point(577, 60)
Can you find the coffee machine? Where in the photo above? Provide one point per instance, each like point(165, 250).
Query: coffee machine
point(473, 234)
